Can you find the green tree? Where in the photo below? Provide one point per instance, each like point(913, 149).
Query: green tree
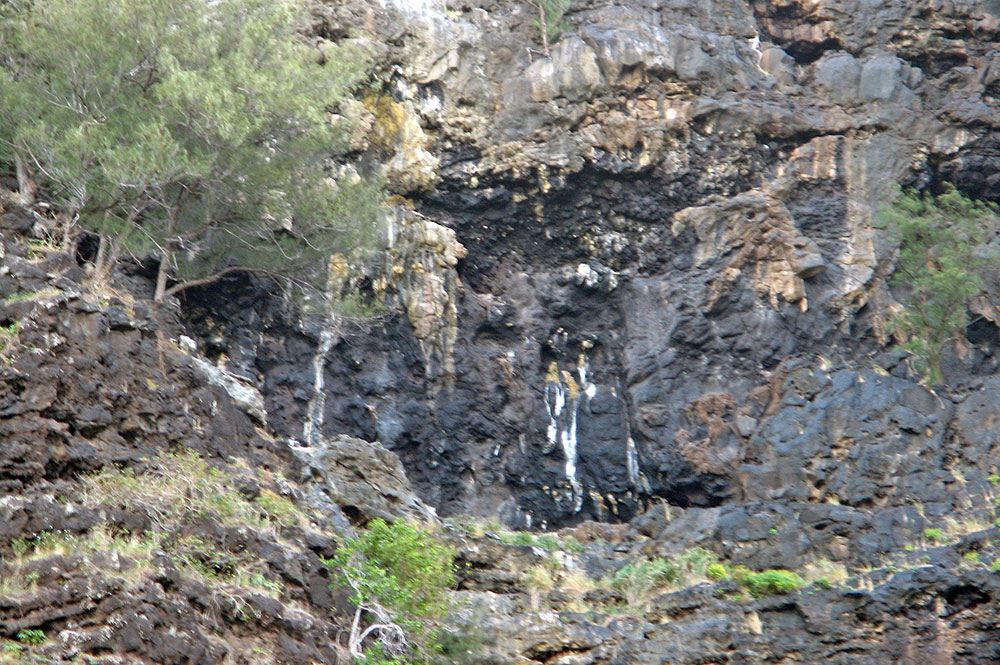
point(201, 131)
point(399, 577)
point(942, 259)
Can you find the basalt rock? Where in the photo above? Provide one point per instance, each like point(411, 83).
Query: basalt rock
point(625, 243)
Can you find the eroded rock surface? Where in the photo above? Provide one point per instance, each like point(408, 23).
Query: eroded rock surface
point(630, 243)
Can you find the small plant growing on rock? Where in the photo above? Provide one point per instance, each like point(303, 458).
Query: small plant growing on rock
point(13, 653)
point(716, 572)
point(280, 508)
point(181, 487)
point(638, 580)
point(8, 339)
point(545, 541)
point(773, 581)
point(934, 535)
point(539, 580)
point(825, 571)
point(995, 566)
point(694, 563)
point(31, 636)
point(971, 558)
point(942, 259)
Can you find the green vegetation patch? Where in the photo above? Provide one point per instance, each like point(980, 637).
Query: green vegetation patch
point(204, 136)
point(768, 582)
point(400, 578)
point(184, 487)
point(943, 256)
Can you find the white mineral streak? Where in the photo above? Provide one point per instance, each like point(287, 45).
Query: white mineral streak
point(555, 400)
point(632, 462)
point(562, 403)
point(314, 415)
point(569, 448)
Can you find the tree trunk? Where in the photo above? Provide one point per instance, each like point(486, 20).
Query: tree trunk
point(68, 223)
point(104, 264)
point(26, 185)
point(161, 277)
point(543, 25)
point(102, 250)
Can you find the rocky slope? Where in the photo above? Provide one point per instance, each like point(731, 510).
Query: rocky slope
point(633, 289)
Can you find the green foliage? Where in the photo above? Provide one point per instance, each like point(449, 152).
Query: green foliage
point(934, 535)
point(971, 557)
point(550, 20)
point(995, 566)
point(182, 488)
point(767, 582)
point(406, 571)
point(377, 655)
point(695, 562)
point(539, 579)
point(716, 572)
point(198, 130)
point(24, 296)
point(824, 583)
point(279, 508)
point(942, 260)
point(545, 541)
point(31, 636)
point(13, 648)
point(637, 580)
point(8, 339)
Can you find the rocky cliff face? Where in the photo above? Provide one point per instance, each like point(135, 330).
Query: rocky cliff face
point(632, 255)
point(634, 288)
point(666, 284)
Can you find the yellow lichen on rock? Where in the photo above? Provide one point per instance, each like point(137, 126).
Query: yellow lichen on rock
point(420, 268)
point(396, 132)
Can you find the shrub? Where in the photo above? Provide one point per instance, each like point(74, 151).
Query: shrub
point(934, 535)
point(637, 580)
point(31, 636)
point(942, 260)
point(773, 581)
point(694, 562)
point(716, 572)
point(400, 577)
